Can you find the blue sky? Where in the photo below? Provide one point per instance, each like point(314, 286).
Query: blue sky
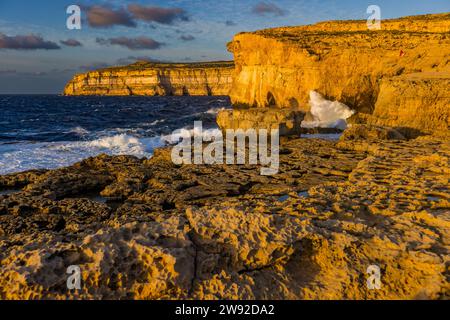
point(188, 30)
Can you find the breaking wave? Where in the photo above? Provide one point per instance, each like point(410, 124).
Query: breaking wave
point(16, 157)
point(207, 134)
point(119, 144)
point(326, 113)
point(50, 155)
point(47, 132)
point(80, 131)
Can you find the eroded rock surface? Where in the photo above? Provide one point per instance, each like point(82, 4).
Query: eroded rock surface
point(399, 75)
point(155, 79)
point(415, 102)
point(148, 229)
point(287, 121)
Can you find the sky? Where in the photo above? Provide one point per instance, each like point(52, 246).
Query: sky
point(39, 54)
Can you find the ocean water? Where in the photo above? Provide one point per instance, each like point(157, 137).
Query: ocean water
point(50, 131)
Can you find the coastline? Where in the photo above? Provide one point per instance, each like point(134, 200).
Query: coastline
point(47, 132)
point(155, 79)
point(149, 229)
point(374, 197)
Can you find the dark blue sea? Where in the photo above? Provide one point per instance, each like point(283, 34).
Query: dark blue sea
point(51, 131)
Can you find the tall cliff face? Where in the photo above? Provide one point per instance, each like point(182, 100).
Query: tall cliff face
point(343, 61)
point(149, 79)
point(419, 101)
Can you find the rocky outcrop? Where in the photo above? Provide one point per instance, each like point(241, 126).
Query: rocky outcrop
point(150, 79)
point(151, 229)
point(163, 231)
point(418, 101)
point(287, 121)
point(346, 62)
point(370, 132)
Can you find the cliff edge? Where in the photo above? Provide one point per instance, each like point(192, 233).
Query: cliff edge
point(152, 79)
point(367, 70)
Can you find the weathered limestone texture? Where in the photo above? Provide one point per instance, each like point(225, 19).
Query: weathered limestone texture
point(400, 74)
point(165, 231)
point(150, 79)
point(286, 120)
point(418, 100)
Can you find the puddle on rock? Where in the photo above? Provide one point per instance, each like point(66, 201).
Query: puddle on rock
point(9, 192)
point(303, 194)
point(113, 203)
point(325, 136)
point(97, 198)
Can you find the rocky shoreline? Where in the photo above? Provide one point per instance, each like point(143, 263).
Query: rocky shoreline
point(396, 76)
point(149, 229)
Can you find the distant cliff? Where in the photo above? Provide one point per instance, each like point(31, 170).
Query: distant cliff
point(345, 61)
point(150, 79)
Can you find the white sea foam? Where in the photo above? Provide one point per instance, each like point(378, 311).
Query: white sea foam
point(79, 131)
point(43, 155)
point(119, 144)
point(214, 111)
point(154, 123)
point(18, 157)
point(326, 113)
point(175, 137)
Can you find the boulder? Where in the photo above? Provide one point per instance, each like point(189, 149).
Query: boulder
point(288, 121)
point(370, 132)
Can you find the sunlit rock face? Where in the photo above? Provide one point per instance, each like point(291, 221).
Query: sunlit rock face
point(346, 62)
point(151, 79)
point(287, 121)
point(413, 102)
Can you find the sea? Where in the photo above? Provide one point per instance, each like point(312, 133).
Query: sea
point(51, 131)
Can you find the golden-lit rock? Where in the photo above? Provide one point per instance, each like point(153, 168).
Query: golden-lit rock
point(288, 121)
point(370, 132)
point(418, 101)
point(226, 232)
point(150, 229)
point(345, 61)
point(153, 79)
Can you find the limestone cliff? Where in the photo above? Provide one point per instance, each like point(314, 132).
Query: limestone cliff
point(415, 101)
point(345, 61)
point(150, 79)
